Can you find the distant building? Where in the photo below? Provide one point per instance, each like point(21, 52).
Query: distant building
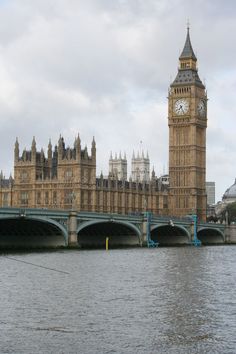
point(228, 197)
point(230, 194)
point(118, 167)
point(210, 191)
point(165, 180)
point(140, 168)
point(6, 186)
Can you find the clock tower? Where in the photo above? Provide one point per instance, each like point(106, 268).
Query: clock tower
point(187, 120)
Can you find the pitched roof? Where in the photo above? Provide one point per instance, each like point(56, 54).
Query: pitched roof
point(187, 77)
point(188, 50)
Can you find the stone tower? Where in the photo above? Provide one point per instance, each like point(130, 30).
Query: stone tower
point(187, 120)
point(118, 167)
point(140, 167)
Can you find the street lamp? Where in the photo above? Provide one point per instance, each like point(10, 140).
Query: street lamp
point(196, 242)
point(150, 242)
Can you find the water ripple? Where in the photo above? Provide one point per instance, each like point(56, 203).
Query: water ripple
point(167, 300)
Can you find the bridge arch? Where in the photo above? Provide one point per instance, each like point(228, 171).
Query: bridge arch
point(31, 232)
point(93, 233)
point(210, 236)
point(167, 235)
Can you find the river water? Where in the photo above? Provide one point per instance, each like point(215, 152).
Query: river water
point(166, 300)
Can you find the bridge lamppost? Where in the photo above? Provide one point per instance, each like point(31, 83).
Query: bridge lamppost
point(148, 214)
point(150, 242)
point(196, 242)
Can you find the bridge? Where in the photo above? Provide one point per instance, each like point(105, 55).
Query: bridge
point(29, 228)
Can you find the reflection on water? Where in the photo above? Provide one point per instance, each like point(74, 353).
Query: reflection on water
point(167, 300)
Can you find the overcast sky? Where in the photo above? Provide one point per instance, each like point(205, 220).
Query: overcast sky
point(103, 67)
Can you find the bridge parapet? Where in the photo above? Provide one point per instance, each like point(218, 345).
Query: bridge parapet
point(72, 222)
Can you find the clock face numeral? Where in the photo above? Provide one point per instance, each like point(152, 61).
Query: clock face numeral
point(181, 106)
point(201, 108)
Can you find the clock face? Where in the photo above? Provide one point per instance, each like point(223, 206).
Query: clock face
point(181, 106)
point(201, 107)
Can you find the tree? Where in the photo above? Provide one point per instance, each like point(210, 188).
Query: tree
point(231, 210)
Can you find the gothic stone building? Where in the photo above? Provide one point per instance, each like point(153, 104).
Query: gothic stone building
point(66, 177)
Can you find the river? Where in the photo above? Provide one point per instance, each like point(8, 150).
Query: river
point(165, 300)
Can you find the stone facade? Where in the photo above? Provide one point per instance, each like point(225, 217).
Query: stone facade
point(118, 167)
point(140, 167)
point(66, 179)
point(6, 191)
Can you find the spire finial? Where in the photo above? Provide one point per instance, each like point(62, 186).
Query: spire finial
point(188, 24)
point(188, 52)
point(50, 144)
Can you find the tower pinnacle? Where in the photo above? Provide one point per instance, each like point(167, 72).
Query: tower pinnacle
point(188, 52)
point(187, 71)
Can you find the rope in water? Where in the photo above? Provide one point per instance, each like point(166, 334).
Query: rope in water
point(36, 265)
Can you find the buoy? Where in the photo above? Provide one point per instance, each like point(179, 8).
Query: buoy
point(107, 243)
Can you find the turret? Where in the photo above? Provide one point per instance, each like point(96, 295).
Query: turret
point(78, 148)
point(93, 150)
point(153, 178)
point(153, 174)
point(16, 151)
point(49, 150)
point(60, 148)
point(140, 167)
point(10, 180)
point(24, 155)
point(118, 167)
point(42, 157)
point(86, 153)
point(33, 151)
point(50, 158)
point(68, 153)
